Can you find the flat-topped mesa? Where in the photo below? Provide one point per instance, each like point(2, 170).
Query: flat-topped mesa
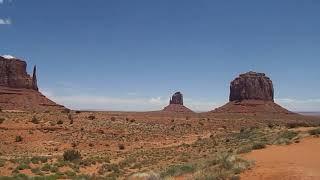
point(177, 98)
point(251, 93)
point(251, 86)
point(13, 74)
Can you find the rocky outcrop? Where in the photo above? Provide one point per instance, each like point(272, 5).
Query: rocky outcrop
point(19, 90)
point(177, 98)
point(251, 93)
point(176, 104)
point(13, 74)
point(251, 86)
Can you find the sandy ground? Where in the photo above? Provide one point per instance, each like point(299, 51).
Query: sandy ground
point(295, 161)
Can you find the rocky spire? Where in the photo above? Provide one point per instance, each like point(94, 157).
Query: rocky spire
point(34, 78)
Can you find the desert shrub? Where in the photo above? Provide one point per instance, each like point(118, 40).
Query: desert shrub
point(113, 118)
point(314, 131)
point(60, 122)
point(258, 145)
point(39, 159)
point(91, 117)
point(177, 170)
point(70, 118)
point(78, 112)
point(285, 137)
point(296, 124)
point(22, 166)
point(270, 125)
point(121, 146)
point(244, 149)
point(19, 138)
point(34, 120)
point(66, 110)
point(71, 155)
point(288, 134)
point(46, 167)
point(223, 166)
point(70, 173)
point(37, 171)
point(2, 162)
point(109, 168)
point(2, 120)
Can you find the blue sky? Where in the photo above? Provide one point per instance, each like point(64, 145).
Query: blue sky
point(133, 54)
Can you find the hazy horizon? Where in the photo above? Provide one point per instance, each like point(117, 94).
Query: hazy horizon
point(133, 55)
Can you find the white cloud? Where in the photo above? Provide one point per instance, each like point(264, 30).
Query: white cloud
point(8, 56)
point(5, 22)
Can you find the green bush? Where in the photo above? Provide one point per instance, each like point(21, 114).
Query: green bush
point(22, 166)
point(288, 134)
point(2, 120)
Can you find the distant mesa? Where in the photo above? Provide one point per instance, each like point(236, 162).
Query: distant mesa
point(251, 92)
point(176, 104)
point(19, 90)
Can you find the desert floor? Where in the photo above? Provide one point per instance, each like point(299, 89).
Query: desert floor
point(133, 145)
point(295, 161)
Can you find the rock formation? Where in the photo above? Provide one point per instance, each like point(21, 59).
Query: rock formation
point(13, 74)
point(251, 86)
point(19, 90)
point(177, 98)
point(176, 104)
point(251, 93)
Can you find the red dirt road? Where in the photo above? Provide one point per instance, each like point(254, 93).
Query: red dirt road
point(295, 161)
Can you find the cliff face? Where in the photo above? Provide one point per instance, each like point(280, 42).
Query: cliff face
point(13, 74)
point(19, 90)
point(251, 86)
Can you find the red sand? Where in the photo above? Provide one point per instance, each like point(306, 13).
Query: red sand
point(296, 161)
